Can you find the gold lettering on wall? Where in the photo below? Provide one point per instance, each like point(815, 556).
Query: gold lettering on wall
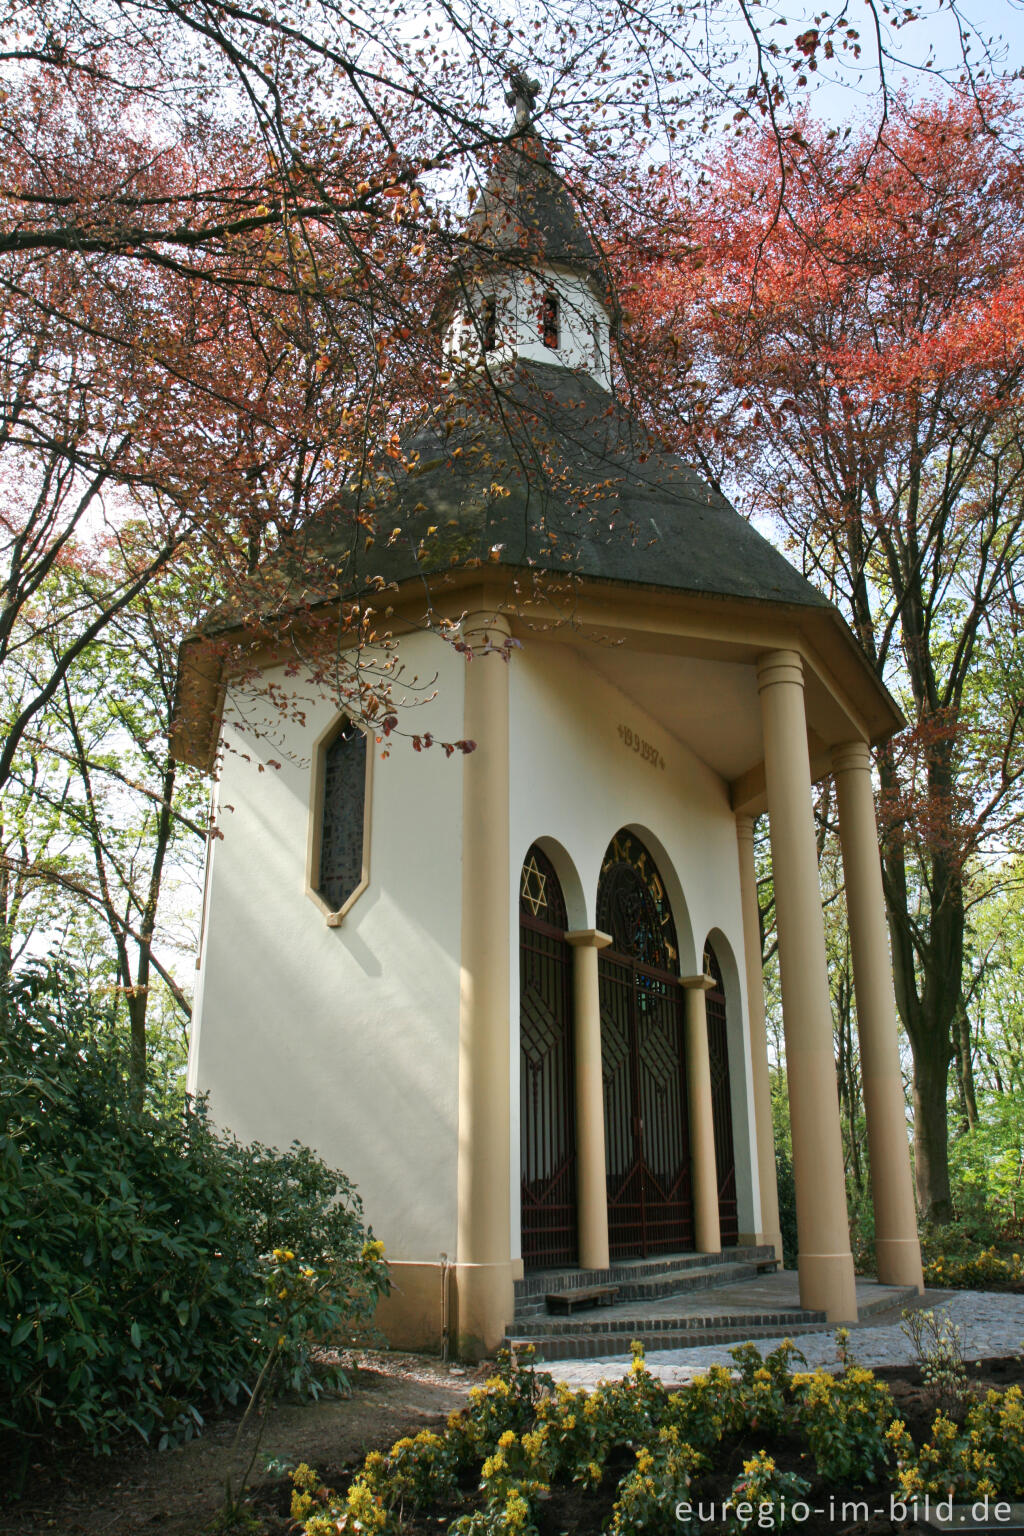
point(645, 751)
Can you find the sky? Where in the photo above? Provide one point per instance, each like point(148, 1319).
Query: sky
point(838, 93)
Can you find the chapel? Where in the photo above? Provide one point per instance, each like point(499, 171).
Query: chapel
point(516, 993)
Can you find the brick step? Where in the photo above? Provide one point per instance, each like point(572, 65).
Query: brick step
point(587, 1346)
point(652, 1287)
point(635, 1325)
point(534, 1286)
point(648, 1288)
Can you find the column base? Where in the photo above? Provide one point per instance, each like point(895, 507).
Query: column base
point(484, 1306)
point(898, 1260)
point(594, 1253)
point(827, 1285)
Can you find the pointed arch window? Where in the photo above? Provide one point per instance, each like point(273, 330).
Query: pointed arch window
point(549, 320)
point(489, 323)
point(339, 847)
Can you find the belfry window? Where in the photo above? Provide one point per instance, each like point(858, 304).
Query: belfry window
point(489, 323)
point(549, 320)
point(342, 816)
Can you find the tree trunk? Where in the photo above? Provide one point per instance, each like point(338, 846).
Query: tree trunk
point(964, 1058)
point(931, 1135)
point(928, 976)
point(138, 995)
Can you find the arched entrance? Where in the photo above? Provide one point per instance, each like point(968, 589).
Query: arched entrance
point(547, 1109)
point(721, 1102)
point(647, 1146)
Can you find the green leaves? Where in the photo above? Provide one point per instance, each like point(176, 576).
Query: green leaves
point(137, 1283)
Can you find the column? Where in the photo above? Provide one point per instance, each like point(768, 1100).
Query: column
point(897, 1249)
point(762, 1087)
point(825, 1262)
point(703, 1170)
point(591, 1178)
point(484, 1275)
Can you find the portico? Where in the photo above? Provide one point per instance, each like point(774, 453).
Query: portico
point(796, 708)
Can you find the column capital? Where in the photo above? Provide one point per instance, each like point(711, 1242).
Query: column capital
point(486, 629)
point(589, 938)
point(702, 983)
point(851, 755)
point(775, 667)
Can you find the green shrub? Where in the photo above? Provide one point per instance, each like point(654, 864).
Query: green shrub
point(764, 1489)
point(138, 1278)
point(786, 1185)
point(659, 1480)
point(983, 1270)
point(983, 1459)
point(844, 1421)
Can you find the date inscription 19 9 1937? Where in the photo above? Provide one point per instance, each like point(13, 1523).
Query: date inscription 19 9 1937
point(646, 751)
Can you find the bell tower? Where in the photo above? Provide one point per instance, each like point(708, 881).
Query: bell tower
point(532, 285)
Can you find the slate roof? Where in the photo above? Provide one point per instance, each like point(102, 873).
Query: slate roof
point(543, 470)
point(526, 210)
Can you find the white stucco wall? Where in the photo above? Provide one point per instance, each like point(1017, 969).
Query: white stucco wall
point(584, 342)
point(574, 779)
point(347, 1038)
point(344, 1038)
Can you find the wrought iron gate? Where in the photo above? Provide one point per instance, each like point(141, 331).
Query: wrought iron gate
point(646, 1130)
point(721, 1103)
point(547, 1123)
point(647, 1142)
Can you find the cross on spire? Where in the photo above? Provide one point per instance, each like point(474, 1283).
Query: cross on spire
point(523, 97)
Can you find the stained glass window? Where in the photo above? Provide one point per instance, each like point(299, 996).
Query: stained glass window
point(341, 830)
point(540, 894)
point(633, 906)
point(549, 320)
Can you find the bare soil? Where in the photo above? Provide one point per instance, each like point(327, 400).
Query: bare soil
point(179, 1492)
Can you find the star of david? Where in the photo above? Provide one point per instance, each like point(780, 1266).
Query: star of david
point(534, 883)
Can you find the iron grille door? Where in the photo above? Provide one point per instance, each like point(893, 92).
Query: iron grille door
point(665, 1133)
point(623, 1152)
point(721, 1106)
point(547, 1092)
point(646, 1131)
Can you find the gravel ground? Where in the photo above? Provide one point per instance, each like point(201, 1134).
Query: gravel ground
point(990, 1324)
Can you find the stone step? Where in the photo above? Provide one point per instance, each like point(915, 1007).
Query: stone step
point(896, 1296)
point(531, 1290)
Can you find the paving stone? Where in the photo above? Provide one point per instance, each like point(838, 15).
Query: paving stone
point(991, 1324)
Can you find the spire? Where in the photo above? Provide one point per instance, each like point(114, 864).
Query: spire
point(531, 285)
point(525, 210)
